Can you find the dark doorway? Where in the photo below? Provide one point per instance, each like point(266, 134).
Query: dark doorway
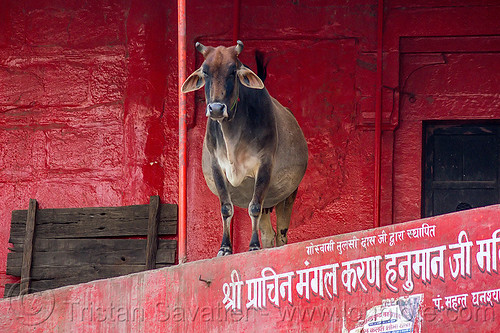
point(461, 166)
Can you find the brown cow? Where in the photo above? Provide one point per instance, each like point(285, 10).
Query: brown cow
point(254, 152)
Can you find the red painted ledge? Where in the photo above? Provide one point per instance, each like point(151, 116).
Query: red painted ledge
point(432, 275)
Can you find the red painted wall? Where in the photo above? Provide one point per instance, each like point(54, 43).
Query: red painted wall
point(88, 105)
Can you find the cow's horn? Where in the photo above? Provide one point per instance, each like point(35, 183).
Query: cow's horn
point(200, 47)
point(239, 47)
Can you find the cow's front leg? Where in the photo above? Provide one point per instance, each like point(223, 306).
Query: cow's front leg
point(227, 214)
point(226, 209)
point(255, 207)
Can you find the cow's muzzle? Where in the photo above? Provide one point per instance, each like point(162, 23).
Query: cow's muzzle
point(217, 111)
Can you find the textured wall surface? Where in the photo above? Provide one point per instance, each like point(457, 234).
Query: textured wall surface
point(88, 105)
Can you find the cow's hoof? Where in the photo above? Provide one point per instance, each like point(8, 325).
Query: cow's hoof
point(254, 248)
point(224, 251)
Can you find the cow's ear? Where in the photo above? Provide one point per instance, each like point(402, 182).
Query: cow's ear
point(194, 82)
point(249, 79)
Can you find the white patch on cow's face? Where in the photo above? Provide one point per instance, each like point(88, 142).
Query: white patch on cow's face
point(217, 115)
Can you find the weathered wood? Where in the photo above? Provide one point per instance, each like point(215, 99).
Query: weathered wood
point(11, 290)
point(85, 273)
point(59, 258)
point(28, 246)
point(73, 245)
point(84, 244)
point(152, 240)
point(103, 272)
point(94, 222)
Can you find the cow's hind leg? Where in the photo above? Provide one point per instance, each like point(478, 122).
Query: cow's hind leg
point(255, 207)
point(283, 216)
point(267, 234)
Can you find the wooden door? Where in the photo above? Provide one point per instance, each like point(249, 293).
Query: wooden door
point(461, 166)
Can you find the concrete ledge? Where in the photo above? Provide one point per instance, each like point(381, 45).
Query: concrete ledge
point(432, 275)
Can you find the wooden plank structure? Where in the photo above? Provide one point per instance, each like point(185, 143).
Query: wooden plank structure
point(57, 247)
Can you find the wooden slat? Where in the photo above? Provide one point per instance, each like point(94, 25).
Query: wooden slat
point(80, 274)
point(11, 290)
point(94, 222)
point(152, 240)
point(83, 244)
point(65, 257)
point(105, 272)
point(28, 246)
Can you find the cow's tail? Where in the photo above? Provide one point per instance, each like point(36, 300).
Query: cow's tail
point(261, 65)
